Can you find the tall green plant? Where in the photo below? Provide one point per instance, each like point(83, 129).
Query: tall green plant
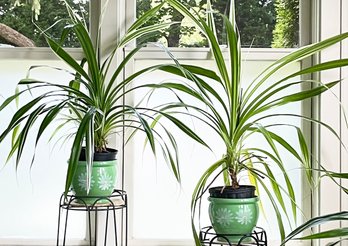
point(91, 99)
point(244, 112)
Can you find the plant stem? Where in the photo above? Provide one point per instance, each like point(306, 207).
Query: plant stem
point(233, 176)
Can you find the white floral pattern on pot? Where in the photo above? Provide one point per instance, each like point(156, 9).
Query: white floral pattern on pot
point(244, 215)
point(105, 181)
point(82, 179)
point(224, 216)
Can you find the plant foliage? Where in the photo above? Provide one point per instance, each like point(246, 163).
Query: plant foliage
point(339, 234)
point(92, 99)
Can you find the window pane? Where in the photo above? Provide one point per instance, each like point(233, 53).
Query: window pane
point(262, 23)
point(20, 19)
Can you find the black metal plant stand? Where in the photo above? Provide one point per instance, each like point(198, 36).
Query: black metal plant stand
point(117, 201)
point(209, 237)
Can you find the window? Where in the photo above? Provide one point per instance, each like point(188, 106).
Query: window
point(20, 20)
point(262, 24)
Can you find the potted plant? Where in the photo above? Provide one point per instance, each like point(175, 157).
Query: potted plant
point(241, 115)
point(91, 100)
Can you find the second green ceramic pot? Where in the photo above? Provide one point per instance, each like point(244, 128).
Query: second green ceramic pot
point(103, 178)
point(234, 217)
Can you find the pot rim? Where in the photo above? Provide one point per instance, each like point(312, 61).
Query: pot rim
point(234, 200)
point(100, 156)
point(243, 192)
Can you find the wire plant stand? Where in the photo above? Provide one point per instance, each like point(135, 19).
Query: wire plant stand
point(117, 201)
point(209, 237)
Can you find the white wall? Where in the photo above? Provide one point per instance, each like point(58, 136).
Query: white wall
point(333, 156)
point(30, 198)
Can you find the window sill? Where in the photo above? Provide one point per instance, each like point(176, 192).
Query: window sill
point(250, 54)
point(36, 53)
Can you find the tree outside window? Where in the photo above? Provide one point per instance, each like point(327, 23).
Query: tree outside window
point(22, 22)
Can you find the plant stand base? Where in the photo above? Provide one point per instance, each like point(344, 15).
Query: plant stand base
point(116, 204)
point(209, 237)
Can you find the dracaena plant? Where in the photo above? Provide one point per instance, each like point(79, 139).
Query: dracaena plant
point(91, 99)
point(236, 115)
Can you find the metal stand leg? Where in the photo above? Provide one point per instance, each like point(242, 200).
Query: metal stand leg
point(66, 226)
point(89, 227)
point(106, 226)
point(126, 210)
point(95, 225)
point(115, 228)
point(60, 210)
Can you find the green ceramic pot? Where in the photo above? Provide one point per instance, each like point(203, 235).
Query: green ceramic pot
point(103, 178)
point(234, 216)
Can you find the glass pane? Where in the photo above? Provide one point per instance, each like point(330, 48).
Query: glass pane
point(19, 26)
point(262, 23)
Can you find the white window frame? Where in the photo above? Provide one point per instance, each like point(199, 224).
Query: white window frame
point(331, 153)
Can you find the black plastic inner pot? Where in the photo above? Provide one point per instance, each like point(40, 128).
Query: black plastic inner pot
point(244, 191)
point(108, 155)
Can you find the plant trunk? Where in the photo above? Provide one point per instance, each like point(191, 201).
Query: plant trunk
point(234, 180)
point(175, 31)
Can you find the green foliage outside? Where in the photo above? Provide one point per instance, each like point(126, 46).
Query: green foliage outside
point(142, 6)
point(262, 23)
point(255, 18)
point(286, 32)
point(173, 35)
point(21, 19)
